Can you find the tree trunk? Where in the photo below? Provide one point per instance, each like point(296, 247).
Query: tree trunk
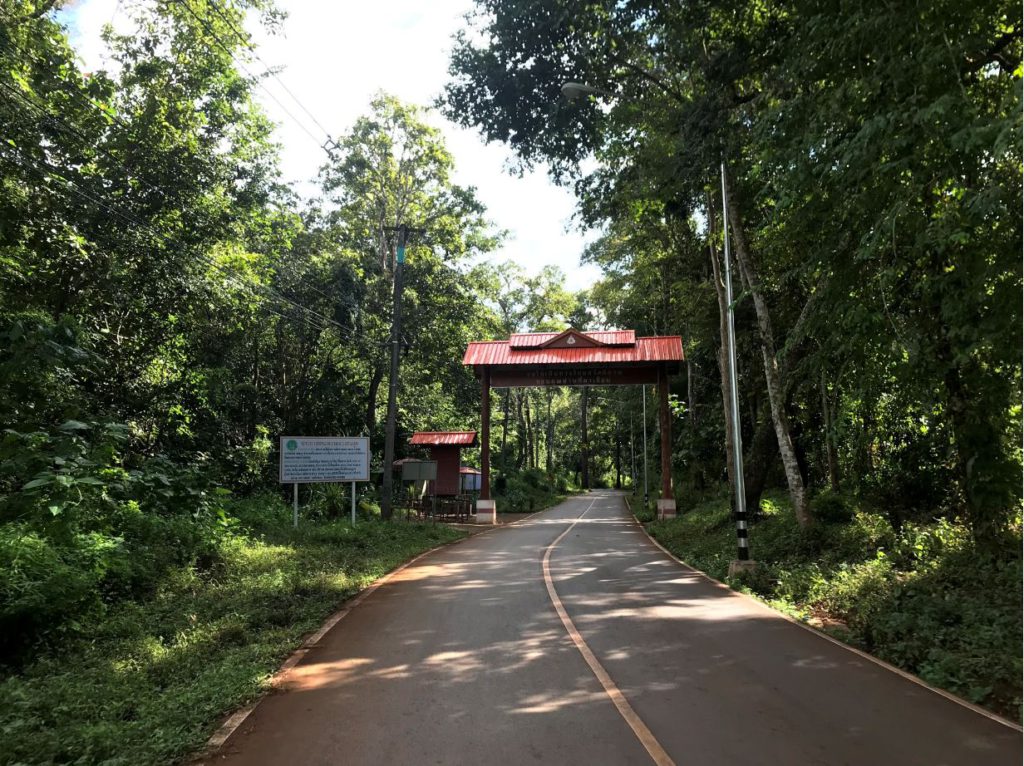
point(618, 457)
point(584, 446)
point(535, 439)
point(783, 432)
point(530, 459)
point(757, 461)
point(371, 399)
point(830, 444)
point(691, 405)
point(255, 408)
point(550, 438)
point(504, 427)
point(520, 432)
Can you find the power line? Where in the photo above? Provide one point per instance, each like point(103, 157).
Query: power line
point(42, 110)
point(18, 52)
point(86, 141)
point(68, 127)
point(270, 70)
point(116, 118)
point(203, 22)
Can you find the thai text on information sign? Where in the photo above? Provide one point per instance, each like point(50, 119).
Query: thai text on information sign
point(310, 459)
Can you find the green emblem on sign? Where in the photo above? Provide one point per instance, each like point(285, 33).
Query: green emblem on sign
point(292, 445)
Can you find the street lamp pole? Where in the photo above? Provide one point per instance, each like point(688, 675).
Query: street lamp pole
point(742, 547)
point(643, 391)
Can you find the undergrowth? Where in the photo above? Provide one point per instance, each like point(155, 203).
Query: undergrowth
point(529, 490)
point(925, 599)
point(146, 681)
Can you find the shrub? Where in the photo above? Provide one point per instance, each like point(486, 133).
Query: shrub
point(42, 584)
point(516, 500)
point(830, 507)
point(533, 477)
point(92, 528)
point(858, 593)
point(332, 501)
point(643, 514)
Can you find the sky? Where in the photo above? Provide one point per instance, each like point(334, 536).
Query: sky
point(335, 57)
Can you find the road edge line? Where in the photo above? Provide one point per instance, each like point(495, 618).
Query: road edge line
point(831, 639)
point(629, 715)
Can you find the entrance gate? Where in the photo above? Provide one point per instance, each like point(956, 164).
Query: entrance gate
point(574, 358)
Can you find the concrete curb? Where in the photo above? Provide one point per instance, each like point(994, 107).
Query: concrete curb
point(236, 719)
point(862, 654)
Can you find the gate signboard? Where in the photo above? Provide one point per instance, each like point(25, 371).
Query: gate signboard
point(314, 459)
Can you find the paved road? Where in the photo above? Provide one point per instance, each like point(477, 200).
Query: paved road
point(463, 659)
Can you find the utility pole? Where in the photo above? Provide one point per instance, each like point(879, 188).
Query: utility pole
point(403, 233)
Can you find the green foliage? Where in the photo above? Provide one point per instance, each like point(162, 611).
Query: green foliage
point(149, 679)
point(528, 491)
point(928, 599)
point(831, 507)
point(873, 160)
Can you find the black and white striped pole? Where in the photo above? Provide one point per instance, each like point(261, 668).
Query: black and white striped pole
point(743, 561)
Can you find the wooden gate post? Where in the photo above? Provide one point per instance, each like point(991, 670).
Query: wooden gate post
point(667, 501)
point(485, 512)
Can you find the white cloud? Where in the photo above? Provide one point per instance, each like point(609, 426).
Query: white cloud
point(336, 56)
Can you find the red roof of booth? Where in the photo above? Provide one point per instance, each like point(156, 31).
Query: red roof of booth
point(599, 347)
point(444, 438)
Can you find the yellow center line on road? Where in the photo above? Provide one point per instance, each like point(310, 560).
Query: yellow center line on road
point(647, 739)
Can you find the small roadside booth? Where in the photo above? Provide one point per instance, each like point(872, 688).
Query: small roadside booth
point(446, 451)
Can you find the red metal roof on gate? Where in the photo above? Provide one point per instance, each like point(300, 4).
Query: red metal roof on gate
point(605, 337)
point(663, 348)
point(444, 438)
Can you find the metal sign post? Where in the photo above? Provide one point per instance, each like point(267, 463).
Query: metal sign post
point(353, 504)
point(295, 505)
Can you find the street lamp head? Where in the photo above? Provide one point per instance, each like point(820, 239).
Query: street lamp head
point(574, 90)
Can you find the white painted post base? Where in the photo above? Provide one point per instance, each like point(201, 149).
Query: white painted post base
point(666, 509)
point(738, 567)
point(486, 513)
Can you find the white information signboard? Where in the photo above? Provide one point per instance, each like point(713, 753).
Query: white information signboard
point(313, 459)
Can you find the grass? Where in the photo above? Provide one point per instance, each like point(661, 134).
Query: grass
point(926, 599)
point(150, 682)
point(530, 504)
